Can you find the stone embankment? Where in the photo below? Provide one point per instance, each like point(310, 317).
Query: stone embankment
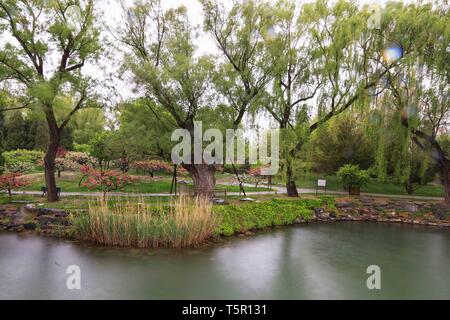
point(56, 222)
point(371, 209)
point(53, 222)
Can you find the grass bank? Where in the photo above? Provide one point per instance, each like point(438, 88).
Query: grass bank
point(239, 218)
point(184, 222)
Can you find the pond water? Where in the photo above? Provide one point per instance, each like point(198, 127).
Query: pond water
point(321, 261)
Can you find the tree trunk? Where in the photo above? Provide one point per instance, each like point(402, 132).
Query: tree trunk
point(10, 194)
point(444, 167)
point(204, 179)
point(49, 159)
point(409, 188)
point(291, 187)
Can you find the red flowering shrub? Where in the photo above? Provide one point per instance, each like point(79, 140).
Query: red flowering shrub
point(61, 153)
point(256, 175)
point(12, 181)
point(104, 180)
point(182, 171)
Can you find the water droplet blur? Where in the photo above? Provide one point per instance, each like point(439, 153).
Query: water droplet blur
point(393, 53)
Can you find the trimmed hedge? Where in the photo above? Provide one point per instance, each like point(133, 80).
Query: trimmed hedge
point(244, 217)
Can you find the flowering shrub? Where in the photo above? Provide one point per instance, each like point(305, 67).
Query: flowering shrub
point(22, 160)
point(81, 158)
point(20, 167)
point(182, 171)
point(152, 166)
point(61, 153)
point(104, 180)
point(65, 164)
point(256, 175)
point(12, 181)
point(123, 164)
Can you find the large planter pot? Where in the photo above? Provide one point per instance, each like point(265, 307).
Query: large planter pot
point(354, 191)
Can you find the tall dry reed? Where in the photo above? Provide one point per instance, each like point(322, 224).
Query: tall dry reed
point(181, 223)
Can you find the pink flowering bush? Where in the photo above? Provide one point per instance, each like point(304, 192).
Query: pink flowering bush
point(256, 175)
point(104, 180)
point(12, 181)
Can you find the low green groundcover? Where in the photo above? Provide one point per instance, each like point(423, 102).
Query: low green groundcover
point(244, 217)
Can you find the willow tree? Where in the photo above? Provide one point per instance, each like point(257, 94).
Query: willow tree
point(417, 98)
point(421, 99)
point(51, 41)
point(294, 80)
point(162, 57)
point(240, 34)
point(328, 60)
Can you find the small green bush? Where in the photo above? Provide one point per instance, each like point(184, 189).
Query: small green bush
point(241, 218)
point(84, 148)
point(351, 176)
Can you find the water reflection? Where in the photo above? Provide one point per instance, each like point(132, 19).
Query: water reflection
point(306, 262)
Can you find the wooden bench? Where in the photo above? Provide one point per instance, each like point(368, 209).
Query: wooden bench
point(216, 193)
point(191, 191)
point(44, 191)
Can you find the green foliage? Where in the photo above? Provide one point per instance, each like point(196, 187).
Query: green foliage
point(352, 176)
point(22, 160)
point(84, 148)
point(143, 133)
point(244, 217)
point(444, 142)
point(339, 142)
point(42, 33)
point(103, 147)
point(85, 124)
point(2, 148)
point(18, 131)
point(2, 163)
point(169, 70)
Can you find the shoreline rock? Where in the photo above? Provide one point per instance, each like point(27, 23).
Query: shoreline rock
point(56, 222)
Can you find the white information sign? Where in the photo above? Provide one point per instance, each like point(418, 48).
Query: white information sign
point(321, 183)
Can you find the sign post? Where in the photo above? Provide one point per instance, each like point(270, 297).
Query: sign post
point(321, 183)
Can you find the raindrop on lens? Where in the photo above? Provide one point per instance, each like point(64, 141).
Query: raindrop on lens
point(393, 53)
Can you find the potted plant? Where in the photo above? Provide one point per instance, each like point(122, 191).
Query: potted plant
point(353, 178)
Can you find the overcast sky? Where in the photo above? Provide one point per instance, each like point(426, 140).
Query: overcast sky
point(110, 16)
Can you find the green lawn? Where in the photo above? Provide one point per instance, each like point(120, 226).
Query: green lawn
point(76, 203)
point(430, 190)
point(69, 183)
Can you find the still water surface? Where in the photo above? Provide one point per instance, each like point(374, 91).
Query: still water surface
point(322, 261)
